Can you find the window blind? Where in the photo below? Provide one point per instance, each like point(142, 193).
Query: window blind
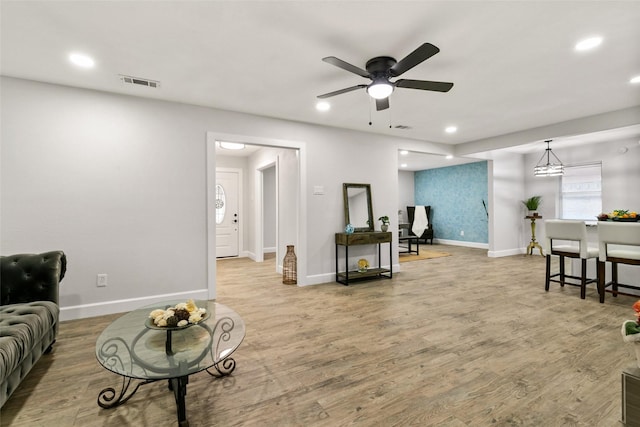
point(581, 191)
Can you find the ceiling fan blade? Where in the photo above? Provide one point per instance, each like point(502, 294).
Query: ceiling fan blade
point(422, 53)
point(338, 92)
point(345, 66)
point(382, 104)
point(424, 85)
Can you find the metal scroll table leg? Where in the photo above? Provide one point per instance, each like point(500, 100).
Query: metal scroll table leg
point(179, 388)
point(224, 367)
point(107, 398)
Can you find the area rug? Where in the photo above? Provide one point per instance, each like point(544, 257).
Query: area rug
point(424, 254)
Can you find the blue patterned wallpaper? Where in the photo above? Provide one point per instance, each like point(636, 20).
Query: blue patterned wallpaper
point(455, 194)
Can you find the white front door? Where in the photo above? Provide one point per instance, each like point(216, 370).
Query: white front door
point(227, 219)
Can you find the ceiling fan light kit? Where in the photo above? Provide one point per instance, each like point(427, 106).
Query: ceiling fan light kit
point(379, 90)
point(381, 68)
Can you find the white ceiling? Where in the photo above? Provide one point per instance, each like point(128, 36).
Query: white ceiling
point(512, 62)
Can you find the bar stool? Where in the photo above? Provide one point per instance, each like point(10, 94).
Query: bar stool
point(619, 244)
point(574, 231)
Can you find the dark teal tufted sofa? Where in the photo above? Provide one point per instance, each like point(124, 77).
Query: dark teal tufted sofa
point(29, 313)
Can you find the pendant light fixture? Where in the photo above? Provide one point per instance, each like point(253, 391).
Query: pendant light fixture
point(548, 168)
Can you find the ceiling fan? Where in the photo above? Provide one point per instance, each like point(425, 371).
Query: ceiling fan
point(381, 68)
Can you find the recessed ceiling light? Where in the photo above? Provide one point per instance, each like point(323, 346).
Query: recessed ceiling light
point(589, 43)
point(81, 60)
point(449, 157)
point(635, 79)
point(403, 165)
point(231, 145)
point(404, 152)
point(451, 129)
point(323, 106)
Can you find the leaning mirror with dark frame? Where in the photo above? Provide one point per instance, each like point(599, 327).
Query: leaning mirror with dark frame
point(357, 206)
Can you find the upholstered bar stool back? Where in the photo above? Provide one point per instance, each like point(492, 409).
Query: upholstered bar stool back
point(619, 243)
point(558, 232)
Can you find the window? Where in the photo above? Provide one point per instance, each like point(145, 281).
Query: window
point(221, 207)
point(581, 191)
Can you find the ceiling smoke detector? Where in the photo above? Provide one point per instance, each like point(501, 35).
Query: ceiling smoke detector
point(139, 81)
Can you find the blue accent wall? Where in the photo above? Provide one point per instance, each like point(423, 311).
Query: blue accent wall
point(455, 194)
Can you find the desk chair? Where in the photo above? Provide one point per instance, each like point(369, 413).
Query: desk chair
point(619, 244)
point(573, 231)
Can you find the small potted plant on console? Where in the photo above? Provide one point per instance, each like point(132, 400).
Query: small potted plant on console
point(385, 223)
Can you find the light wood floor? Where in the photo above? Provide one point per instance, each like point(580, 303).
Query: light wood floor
point(463, 340)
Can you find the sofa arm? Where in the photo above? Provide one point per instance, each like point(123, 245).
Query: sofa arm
point(31, 277)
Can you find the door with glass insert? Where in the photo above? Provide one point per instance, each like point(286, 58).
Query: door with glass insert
point(227, 219)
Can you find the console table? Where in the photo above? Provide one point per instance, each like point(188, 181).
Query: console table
point(363, 238)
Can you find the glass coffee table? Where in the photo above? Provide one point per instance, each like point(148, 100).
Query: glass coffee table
point(142, 353)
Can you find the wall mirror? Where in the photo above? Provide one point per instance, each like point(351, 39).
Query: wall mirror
point(357, 206)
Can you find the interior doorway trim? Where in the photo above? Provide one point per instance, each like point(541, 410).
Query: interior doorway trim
point(301, 252)
point(259, 224)
point(240, 206)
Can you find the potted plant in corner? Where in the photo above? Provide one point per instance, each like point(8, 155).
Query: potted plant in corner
point(532, 204)
point(385, 223)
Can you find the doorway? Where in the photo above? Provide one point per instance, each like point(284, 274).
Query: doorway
point(279, 160)
point(227, 212)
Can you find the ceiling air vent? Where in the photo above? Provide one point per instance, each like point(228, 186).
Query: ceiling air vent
point(402, 127)
point(139, 81)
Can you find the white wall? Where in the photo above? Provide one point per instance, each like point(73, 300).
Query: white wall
point(284, 164)
point(235, 162)
point(511, 180)
point(406, 194)
point(269, 209)
point(580, 126)
point(288, 182)
point(116, 182)
point(620, 175)
point(506, 190)
point(119, 184)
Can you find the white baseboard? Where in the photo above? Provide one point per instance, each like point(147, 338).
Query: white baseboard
point(318, 279)
point(269, 250)
point(120, 306)
point(506, 252)
point(461, 243)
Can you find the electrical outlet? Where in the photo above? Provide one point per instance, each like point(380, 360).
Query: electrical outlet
point(462, 232)
point(102, 280)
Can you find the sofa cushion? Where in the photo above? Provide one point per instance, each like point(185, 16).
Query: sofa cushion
point(22, 327)
point(31, 277)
